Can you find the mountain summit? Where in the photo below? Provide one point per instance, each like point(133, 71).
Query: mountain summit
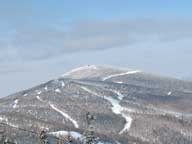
point(130, 106)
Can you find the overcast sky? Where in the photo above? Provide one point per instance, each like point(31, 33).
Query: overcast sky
point(42, 39)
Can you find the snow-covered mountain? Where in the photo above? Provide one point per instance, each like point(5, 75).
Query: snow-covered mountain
point(130, 106)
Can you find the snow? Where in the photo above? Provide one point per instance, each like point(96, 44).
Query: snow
point(116, 108)
point(46, 88)
point(15, 103)
point(118, 142)
point(60, 111)
point(80, 69)
point(59, 133)
point(89, 91)
point(64, 114)
point(62, 84)
point(120, 74)
point(3, 119)
point(108, 142)
point(120, 96)
point(119, 82)
point(39, 92)
point(169, 93)
point(25, 95)
point(12, 125)
point(100, 142)
point(58, 91)
point(39, 99)
point(75, 135)
point(127, 125)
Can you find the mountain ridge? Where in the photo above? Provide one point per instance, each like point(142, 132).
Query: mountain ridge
point(130, 104)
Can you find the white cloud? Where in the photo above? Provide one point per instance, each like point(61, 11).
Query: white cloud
point(35, 43)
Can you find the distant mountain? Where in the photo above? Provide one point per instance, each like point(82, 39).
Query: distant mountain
point(130, 106)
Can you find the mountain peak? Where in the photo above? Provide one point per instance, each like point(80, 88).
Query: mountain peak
point(86, 67)
point(131, 104)
point(97, 72)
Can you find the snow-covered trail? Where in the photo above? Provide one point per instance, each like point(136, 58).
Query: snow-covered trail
point(40, 99)
point(59, 111)
point(116, 107)
point(120, 96)
point(120, 74)
point(64, 114)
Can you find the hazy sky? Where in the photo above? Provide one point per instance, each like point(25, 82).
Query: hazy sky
point(42, 39)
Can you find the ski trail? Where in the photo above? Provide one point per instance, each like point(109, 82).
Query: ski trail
point(40, 99)
point(120, 96)
point(60, 111)
point(116, 108)
point(65, 115)
point(127, 125)
point(169, 93)
point(25, 95)
point(120, 74)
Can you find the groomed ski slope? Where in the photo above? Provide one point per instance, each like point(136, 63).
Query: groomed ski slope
point(59, 111)
point(116, 108)
point(120, 74)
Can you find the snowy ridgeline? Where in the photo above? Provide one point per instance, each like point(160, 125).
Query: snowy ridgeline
point(87, 67)
point(123, 101)
point(120, 74)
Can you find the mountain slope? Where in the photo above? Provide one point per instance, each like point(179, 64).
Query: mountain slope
point(130, 106)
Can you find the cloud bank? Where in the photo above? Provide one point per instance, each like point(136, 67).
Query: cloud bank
point(37, 43)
